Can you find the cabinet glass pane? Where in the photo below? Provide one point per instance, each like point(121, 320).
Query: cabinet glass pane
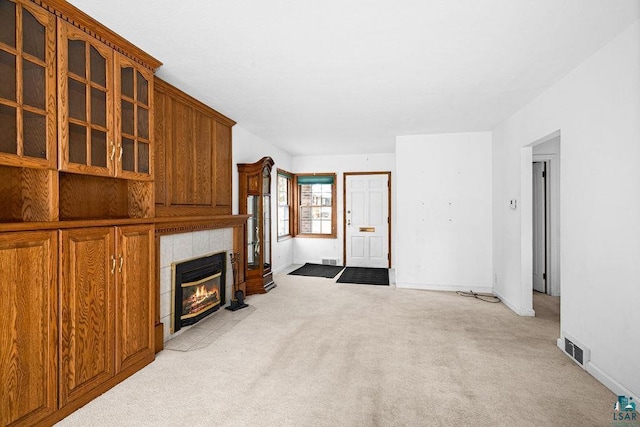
point(98, 68)
point(7, 75)
point(128, 161)
point(8, 23)
point(34, 131)
point(98, 148)
point(253, 245)
point(77, 144)
point(143, 89)
point(143, 123)
point(77, 100)
point(33, 35)
point(126, 82)
point(77, 60)
point(8, 130)
point(143, 157)
point(98, 107)
point(266, 225)
point(33, 87)
point(127, 117)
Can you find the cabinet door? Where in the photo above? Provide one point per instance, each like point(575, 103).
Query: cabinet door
point(135, 295)
point(27, 85)
point(223, 162)
point(87, 284)
point(28, 347)
point(133, 115)
point(85, 106)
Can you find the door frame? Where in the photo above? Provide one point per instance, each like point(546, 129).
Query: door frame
point(552, 213)
point(344, 210)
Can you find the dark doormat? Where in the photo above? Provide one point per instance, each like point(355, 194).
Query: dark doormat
point(365, 276)
point(318, 270)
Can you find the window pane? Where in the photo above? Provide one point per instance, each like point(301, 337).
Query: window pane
point(126, 82)
point(98, 107)
point(33, 87)
point(33, 33)
point(98, 148)
point(77, 100)
point(143, 89)
point(8, 130)
point(143, 157)
point(34, 130)
point(316, 227)
point(77, 61)
point(143, 122)
point(128, 161)
point(98, 68)
point(127, 117)
point(77, 144)
point(8, 23)
point(7, 76)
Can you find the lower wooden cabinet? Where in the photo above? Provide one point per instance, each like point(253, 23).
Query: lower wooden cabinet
point(106, 307)
point(28, 344)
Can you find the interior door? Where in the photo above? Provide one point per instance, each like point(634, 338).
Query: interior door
point(367, 220)
point(539, 227)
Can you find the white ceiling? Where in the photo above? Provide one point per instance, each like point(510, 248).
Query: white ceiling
point(348, 76)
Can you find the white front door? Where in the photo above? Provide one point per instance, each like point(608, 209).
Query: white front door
point(367, 220)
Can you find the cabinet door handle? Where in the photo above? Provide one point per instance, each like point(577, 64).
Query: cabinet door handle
point(121, 263)
point(113, 264)
point(113, 151)
point(121, 151)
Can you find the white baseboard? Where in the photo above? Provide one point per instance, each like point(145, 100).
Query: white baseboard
point(600, 375)
point(281, 269)
point(518, 310)
point(448, 288)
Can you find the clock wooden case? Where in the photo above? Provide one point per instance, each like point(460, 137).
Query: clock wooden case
point(255, 200)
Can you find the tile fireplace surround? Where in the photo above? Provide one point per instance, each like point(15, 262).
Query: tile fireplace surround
point(184, 246)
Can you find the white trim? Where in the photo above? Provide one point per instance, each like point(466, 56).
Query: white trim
point(513, 307)
point(280, 269)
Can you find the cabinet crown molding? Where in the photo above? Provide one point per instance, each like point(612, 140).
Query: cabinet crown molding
point(84, 22)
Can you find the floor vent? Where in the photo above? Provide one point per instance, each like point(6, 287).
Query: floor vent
point(576, 351)
point(330, 261)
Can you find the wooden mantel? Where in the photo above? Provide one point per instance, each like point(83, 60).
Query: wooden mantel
point(187, 224)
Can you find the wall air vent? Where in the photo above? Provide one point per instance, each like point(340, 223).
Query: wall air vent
point(330, 261)
point(576, 351)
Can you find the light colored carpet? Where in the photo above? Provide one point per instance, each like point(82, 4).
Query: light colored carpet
point(317, 353)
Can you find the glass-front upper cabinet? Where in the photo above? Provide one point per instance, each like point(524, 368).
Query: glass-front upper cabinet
point(134, 99)
point(27, 85)
point(85, 72)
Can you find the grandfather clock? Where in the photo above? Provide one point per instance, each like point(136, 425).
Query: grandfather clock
point(255, 200)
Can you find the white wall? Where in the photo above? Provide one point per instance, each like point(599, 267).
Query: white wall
point(444, 211)
point(597, 109)
point(248, 148)
point(314, 249)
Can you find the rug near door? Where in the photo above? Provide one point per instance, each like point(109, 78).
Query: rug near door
point(365, 276)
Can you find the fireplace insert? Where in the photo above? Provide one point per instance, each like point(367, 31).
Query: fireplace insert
point(198, 289)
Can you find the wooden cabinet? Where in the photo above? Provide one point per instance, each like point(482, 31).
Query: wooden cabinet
point(106, 309)
point(85, 104)
point(193, 155)
point(134, 119)
point(28, 343)
point(27, 85)
point(87, 294)
point(254, 181)
point(105, 109)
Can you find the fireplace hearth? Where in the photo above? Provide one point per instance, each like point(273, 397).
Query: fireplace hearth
point(198, 289)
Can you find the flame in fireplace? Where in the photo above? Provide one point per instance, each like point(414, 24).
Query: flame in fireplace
point(202, 297)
